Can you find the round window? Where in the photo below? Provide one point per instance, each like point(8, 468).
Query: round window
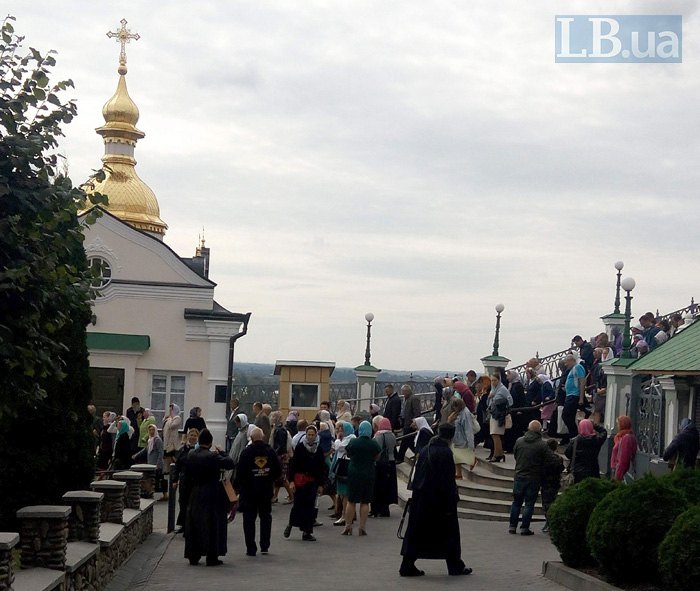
point(101, 273)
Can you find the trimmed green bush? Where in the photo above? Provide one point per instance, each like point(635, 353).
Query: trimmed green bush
point(568, 518)
point(686, 481)
point(679, 553)
point(627, 526)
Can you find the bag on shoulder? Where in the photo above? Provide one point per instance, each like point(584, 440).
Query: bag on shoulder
point(476, 427)
point(567, 478)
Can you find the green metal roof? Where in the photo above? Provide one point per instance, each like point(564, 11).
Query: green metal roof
point(109, 341)
point(679, 355)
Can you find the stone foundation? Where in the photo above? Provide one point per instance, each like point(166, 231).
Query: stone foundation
point(132, 494)
point(148, 482)
point(84, 520)
point(43, 536)
point(7, 573)
point(112, 509)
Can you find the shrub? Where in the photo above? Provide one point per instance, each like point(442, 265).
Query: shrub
point(679, 565)
point(627, 526)
point(568, 518)
point(686, 481)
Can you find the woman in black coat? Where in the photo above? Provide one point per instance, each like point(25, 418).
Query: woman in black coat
point(307, 474)
point(520, 418)
point(588, 442)
point(685, 445)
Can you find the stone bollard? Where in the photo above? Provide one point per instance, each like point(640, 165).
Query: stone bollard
point(132, 494)
point(112, 509)
point(84, 520)
point(43, 536)
point(7, 571)
point(148, 483)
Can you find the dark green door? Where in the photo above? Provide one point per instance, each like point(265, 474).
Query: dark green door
point(107, 389)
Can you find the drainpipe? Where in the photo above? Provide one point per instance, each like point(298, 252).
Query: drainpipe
point(231, 345)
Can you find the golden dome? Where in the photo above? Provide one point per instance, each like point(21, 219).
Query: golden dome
point(129, 198)
point(120, 109)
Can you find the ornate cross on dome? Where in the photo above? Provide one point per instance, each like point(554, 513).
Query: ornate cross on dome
point(123, 36)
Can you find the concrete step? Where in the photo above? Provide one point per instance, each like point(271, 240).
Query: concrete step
point(490, 505)
point(506, 468)
point(492, 516)
point(484, 476)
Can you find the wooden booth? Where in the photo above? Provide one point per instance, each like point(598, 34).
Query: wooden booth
point(303, 384)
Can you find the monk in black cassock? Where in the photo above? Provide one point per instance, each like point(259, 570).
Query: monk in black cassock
point(433, 527)
point(205, 523)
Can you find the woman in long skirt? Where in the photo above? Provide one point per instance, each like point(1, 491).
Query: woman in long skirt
point(307, 473)
point(385, 487)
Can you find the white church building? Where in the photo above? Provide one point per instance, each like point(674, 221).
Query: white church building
point(157, 332)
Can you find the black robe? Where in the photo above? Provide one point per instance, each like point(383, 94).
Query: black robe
point(433, 526)
point(520, 418)
point(309, 467)
point(205, 522)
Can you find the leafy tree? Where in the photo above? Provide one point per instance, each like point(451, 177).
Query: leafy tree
point(45, 443)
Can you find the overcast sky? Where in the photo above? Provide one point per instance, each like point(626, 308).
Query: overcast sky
point(420, 160)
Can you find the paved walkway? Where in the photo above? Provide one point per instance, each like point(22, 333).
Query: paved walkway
point(499, 560)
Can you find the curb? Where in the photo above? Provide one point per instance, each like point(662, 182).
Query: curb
point(134, 574)
point(574, 579)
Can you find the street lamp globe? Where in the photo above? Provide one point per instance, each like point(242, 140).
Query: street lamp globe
point(500, 308)
point(619, 265)
point(627, 284)
point(369, 317)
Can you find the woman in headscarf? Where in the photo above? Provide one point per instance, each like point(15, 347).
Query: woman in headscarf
point(385, 486)
point(683, 450)
point(291, 422)
point(339, 468)
point(122, 446)
point(374, 410)
point(307, 472)
point(624, 448)
point(179, 478)
point(439, 385)
point(499, 401)
point(519, 418)
point(483, 387)
point(281, 443)
point(423, 433)
point(548, 399)
point(342, 411)
point(171, 436)
point(241, 440)
point(463, 441)
point(466, 395)
point(105, 450)
point(153, 454)
point(195, 420)
point(363, 452)
point(146, 420)
point(325, 417)
point(587, 444)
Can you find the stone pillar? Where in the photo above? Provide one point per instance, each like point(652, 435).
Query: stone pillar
point(112, 510)
point(494, 363)
point(132, 493)
point(366, 378)
point(7, 571)
point(611, 321)
point(84, 520)
point(672, 411)
point(618, 392)
point(43, 536)
point(148, 482)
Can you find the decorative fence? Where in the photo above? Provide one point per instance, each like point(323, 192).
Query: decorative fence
point(650, 418)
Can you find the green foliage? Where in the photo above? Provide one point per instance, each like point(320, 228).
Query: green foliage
point(679, 553)
point(45, 441)
point(688, 482)
point(568, 519)
point(627, 526)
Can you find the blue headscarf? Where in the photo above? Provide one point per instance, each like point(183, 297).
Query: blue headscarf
point(123, 427)
point(348, 429)
point(365, 429)
point(685, 423)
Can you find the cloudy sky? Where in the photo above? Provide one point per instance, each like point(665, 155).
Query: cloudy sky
point(420, 160)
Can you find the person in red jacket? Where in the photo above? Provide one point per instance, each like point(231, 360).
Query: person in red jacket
point(624, 448)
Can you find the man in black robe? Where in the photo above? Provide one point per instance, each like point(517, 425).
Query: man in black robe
point(258, 469)
point(433, 526)
point(205, 522)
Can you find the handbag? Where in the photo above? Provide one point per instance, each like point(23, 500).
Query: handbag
point(476, 427)
point(567, 478)
point(341, 468)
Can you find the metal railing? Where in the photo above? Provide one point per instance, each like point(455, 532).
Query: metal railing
point(650, 418)
point(551, 364)
point(692, 309)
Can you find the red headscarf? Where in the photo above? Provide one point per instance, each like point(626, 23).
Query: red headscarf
point(384, 425)
point(585, 428)
point(625, 424)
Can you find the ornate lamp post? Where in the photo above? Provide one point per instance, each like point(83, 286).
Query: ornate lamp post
point(368, 317)
point(619, 265)
point(499, 309)
point(628, 285)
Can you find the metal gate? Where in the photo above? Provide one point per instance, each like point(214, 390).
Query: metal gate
point(650, 418)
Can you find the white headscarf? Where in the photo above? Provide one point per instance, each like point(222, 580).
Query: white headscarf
point(421, 423)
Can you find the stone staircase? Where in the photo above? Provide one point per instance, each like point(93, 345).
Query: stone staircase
point(484, 493)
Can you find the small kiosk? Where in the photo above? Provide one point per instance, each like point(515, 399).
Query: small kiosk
point(303, 384)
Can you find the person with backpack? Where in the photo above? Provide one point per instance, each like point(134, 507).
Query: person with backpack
point(281, 444)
